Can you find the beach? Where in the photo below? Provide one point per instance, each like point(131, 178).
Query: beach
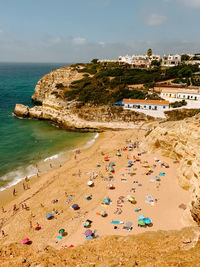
point(58, 189)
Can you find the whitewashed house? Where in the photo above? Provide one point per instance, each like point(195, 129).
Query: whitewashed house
point(145, 104)
point(171, 60)
point(182, 93)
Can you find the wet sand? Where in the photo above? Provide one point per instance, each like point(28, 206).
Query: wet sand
point(69, 183)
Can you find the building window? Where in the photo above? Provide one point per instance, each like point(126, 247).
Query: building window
point(163, 106)
point(144, 106)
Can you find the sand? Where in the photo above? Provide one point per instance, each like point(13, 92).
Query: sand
point(69, 183)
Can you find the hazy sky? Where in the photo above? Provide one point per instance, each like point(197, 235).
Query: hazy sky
point(79, 30)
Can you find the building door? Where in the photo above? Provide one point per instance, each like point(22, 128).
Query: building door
point(149, 107)
point(195, 98)
point(156, 107)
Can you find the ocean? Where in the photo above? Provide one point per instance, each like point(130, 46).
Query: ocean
point(26, 143)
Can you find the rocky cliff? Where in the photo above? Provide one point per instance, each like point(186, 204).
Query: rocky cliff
point(49, 93)
point(149, 249)
point(181, 140)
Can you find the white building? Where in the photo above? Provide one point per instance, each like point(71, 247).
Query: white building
point(171, 60)
point(145, 104)
point(140, 61)
point(182, 93)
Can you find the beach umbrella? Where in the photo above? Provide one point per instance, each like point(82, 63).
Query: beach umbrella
point(106, 158)
point(141, 222)
point(142, 217)
point(111, 169)
point(90, 183)
point(48, 216)
point(75, 206)
point(88, 233)
point(147, 221)
point(103, 213)
point(61, 231)
point(25, 241)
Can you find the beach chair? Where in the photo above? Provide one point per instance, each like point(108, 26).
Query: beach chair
point(128, 226)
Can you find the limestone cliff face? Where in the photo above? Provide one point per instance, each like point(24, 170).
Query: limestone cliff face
point(46, 86)
point(181, 140)
point(49, 93)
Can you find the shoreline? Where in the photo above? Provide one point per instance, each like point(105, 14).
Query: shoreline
point(39, 167)
point(56, 183)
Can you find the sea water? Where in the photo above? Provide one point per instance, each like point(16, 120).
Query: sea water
point(25, 142)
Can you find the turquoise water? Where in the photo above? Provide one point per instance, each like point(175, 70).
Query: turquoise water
point(24, 142)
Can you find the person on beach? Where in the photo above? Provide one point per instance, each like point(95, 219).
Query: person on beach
point(31, 225)
point(24, 186)
point(15, 207)
point(14, 192)
point(3, 233)
point(2, 209)
point(26, 179)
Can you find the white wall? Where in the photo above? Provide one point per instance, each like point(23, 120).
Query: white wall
point(146, 106)
point(189, 96)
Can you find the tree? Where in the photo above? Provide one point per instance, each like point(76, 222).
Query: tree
point(155, 63)
point(184, 57)
point(95, 61)
point(149, 52)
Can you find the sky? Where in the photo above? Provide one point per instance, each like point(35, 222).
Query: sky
point(80, 30)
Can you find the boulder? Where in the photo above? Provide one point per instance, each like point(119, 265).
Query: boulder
point(21, 111)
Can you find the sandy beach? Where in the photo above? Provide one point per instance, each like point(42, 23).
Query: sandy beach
point(58, 189)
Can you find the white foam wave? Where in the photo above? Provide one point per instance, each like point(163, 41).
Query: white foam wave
point(52, 157)
point(14, 177)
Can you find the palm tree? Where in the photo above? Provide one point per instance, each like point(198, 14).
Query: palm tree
point(149, 52)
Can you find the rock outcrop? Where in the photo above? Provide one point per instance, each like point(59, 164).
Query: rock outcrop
point(49, 93)
point(21, 110)
point(181, 140)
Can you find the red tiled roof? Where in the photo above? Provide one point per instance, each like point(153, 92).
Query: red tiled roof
point(141, 101)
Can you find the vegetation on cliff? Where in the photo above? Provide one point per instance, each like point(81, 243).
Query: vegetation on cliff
point(180, 114)
point(108, 83)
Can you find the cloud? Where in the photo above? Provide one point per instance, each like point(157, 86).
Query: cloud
point(155, 19)
point(79, 41)
point(102, 44)
point(51, 40)
point(1, 30)
point(190, 3)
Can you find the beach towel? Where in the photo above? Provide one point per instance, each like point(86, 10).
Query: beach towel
point(89, 237)
point(152, 180)
point(161, 174)
point(117, 222)
point(138, 209)
point(59, 237)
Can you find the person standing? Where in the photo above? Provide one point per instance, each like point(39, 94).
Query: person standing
point(14, 192)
